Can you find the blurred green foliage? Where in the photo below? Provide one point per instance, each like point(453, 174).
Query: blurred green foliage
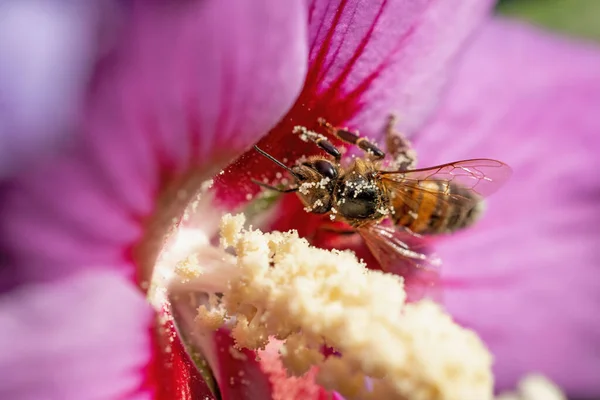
point(574, 17)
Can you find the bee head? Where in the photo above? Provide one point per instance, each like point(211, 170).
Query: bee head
point(316, 182)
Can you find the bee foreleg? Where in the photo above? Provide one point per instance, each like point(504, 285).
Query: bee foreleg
point(353, 138)
point(404, 157)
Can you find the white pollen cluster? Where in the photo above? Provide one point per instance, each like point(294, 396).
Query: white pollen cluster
point(306, 187)
point(318, 203)
point(360, 186)
point(534, 387)
point(310, 298)
point(307, 135)
point(386, 210)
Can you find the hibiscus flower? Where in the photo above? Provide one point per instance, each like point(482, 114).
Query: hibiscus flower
point(188, 87)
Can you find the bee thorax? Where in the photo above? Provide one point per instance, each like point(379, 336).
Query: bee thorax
point(359, 197)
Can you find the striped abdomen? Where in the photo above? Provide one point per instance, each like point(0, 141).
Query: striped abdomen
point(424, 212)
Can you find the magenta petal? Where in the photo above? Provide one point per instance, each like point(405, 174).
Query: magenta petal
point(238, 372)
point(367, 59)
point(46, 51)
point(197, 82)
point(83, 338)
point(389, 56)
point(527, 278)
point(190, 87)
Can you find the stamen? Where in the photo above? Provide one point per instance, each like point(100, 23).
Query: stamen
point(534, 387)
point(279, 286)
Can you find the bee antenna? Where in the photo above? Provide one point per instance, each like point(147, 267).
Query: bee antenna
point(276, 161)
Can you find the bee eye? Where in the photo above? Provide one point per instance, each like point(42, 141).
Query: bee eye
point(325, 168)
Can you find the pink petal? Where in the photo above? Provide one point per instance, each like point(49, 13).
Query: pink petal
point(285, 386)
point(81, 338)
point(527, 276)
point(172, 371)
point(46, 51)
point(239, 372)
point(190, 88)
point(385, 56)
point(366, 60)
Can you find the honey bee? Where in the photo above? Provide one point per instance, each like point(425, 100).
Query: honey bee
point(415, 202)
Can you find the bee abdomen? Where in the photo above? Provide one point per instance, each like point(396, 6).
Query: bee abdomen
point(437, 213)
point(456, 216)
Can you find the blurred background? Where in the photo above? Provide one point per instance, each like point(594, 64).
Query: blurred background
point(579, 18)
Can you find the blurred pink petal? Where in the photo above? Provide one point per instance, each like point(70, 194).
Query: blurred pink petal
point(194, 86)
point(527, 277)
point(82, 338)
point(47, 49)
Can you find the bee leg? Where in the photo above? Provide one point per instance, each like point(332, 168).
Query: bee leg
point(319, 140)
point(329, 148)
point(280, 190)
point(403, 155)
point(353, 138)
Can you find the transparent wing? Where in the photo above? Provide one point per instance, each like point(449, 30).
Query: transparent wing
point(456, 186)
point(390, 245)
point(403, 253)
point(481, 176)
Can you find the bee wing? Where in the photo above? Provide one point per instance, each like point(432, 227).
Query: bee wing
point(480, 177)
point(390, 245)
point(406, 254)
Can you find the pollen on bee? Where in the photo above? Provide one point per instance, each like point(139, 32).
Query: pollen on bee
point(332, 213)
point(384, 210)
point(305, 187)
point(303, 158)
point(316, 204)
point(307, 135)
